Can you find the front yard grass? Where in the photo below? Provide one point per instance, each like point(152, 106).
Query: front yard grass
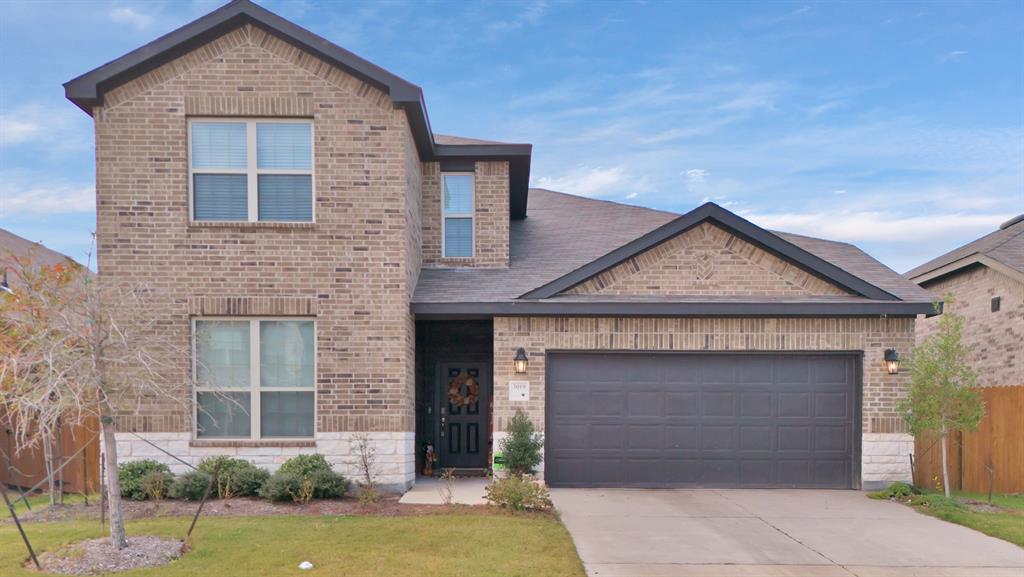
point(458, 545)
point(1004, 519)
point(38, 502)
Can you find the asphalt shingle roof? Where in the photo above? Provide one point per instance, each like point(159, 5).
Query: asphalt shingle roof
point(564, 232)
point(1005, 245)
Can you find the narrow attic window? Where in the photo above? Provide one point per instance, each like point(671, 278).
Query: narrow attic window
point(996, 302)
point(457, 209)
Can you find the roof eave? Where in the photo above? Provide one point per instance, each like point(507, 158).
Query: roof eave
point(925, 277)
point(673, 309)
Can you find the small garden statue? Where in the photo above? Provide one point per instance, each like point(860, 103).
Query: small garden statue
point(429, 458)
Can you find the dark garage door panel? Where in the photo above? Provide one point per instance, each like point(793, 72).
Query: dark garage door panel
point(701, 420)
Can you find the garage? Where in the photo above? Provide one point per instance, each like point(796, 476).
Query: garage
point(702, 420)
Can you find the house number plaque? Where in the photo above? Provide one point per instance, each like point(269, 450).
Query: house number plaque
point(519, 390)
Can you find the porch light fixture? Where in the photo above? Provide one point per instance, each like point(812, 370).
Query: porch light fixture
point(521, 361)
point(892, 361)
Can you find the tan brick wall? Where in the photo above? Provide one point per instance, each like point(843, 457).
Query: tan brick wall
point(353, 268)
point(881, 391)
point(996, 338)
point(490, 217)
point(706, 260)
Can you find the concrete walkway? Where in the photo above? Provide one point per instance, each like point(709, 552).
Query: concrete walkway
point(771, 533)
point(428, 491)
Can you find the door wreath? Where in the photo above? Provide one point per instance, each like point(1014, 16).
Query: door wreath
point(455, 395)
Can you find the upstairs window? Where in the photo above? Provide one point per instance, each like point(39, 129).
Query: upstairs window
point(251, 170)
point(255, 378)
point(457, 209)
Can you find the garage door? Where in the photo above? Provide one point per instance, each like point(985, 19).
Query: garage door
point(701, 420)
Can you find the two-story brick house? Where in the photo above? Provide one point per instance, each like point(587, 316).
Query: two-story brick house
point(342, 270)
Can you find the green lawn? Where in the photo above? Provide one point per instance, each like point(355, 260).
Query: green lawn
point(1007, 525)
point(429, 546)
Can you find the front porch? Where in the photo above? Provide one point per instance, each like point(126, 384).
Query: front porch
point(454, 393)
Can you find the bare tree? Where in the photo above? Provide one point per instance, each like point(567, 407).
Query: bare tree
point(76, 346)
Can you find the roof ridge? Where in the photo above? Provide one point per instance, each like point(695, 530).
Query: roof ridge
point(606, 201)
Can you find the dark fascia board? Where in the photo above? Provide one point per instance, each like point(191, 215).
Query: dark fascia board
point(670, 309)
point(87, 90)
point(518, 157)
point(734, 224)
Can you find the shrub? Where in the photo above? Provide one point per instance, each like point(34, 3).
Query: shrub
point(156, 485)
point(519, 493)
point(190, 486)
point(132, 473)
point(522, 447)
point(898, 490)
point(303, 478)
point(235, 477)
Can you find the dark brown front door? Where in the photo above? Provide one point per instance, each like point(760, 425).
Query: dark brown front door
point(463, 411)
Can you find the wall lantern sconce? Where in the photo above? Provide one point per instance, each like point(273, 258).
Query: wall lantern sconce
point(521, 361)
point(892, 361)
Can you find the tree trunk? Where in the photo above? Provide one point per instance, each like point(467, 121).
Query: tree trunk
point(945, 464)
point(48, 466)
point(114, 509)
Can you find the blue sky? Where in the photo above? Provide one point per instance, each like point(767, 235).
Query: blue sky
point(898, 127)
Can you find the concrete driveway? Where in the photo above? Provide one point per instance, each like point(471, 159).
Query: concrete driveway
point(771, 533)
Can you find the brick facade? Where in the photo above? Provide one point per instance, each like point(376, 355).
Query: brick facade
point(706, 260)
point(353, 270)
point(996, 338)
point(490, 217)
point(882, 426)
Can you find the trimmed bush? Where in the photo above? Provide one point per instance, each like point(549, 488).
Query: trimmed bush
point(157, 485)
point(235, 477)
point(522, 447)
point(519, 493)
point(303, 478)
point(190, 486)
point(132, 473)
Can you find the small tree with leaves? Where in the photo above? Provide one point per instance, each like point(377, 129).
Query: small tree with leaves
point(522, 447)
point(942, 400)
point(77, 347)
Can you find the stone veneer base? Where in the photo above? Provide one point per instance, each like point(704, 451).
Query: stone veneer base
point(395, 453)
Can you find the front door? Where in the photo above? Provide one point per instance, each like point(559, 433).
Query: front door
point(464, 403)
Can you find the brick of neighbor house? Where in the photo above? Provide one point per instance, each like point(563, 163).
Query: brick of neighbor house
point(403, 333)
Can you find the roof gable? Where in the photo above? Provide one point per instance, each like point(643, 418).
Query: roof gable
point(735, 226)
point(87, 91)
point(1002, 250)
point(705, 260)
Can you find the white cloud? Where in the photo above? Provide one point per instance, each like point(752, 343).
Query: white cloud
point(632, 195)
point(593, 181)
point(953, 56)
point(45, 198)
point(867, 226)
point(60, 128)
point(840, 191)
point(16, 130)
point(696, 174)
point(130, 16)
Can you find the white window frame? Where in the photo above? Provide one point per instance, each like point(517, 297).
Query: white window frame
point(252, 171)
point(470, 215)
point(254, 389)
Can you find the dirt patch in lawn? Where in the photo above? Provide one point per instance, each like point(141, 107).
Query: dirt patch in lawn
point(99, 557)
point(983, 507)
point(388, 506)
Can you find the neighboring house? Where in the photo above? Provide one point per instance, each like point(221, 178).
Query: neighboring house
point(987, 278)
point(14, 247)
point(345, 271)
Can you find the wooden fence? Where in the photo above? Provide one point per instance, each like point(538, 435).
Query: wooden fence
point(998, 443)
point(28, 468)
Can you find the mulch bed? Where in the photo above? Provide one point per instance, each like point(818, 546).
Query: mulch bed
point(98, 556)
point(388, 506)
